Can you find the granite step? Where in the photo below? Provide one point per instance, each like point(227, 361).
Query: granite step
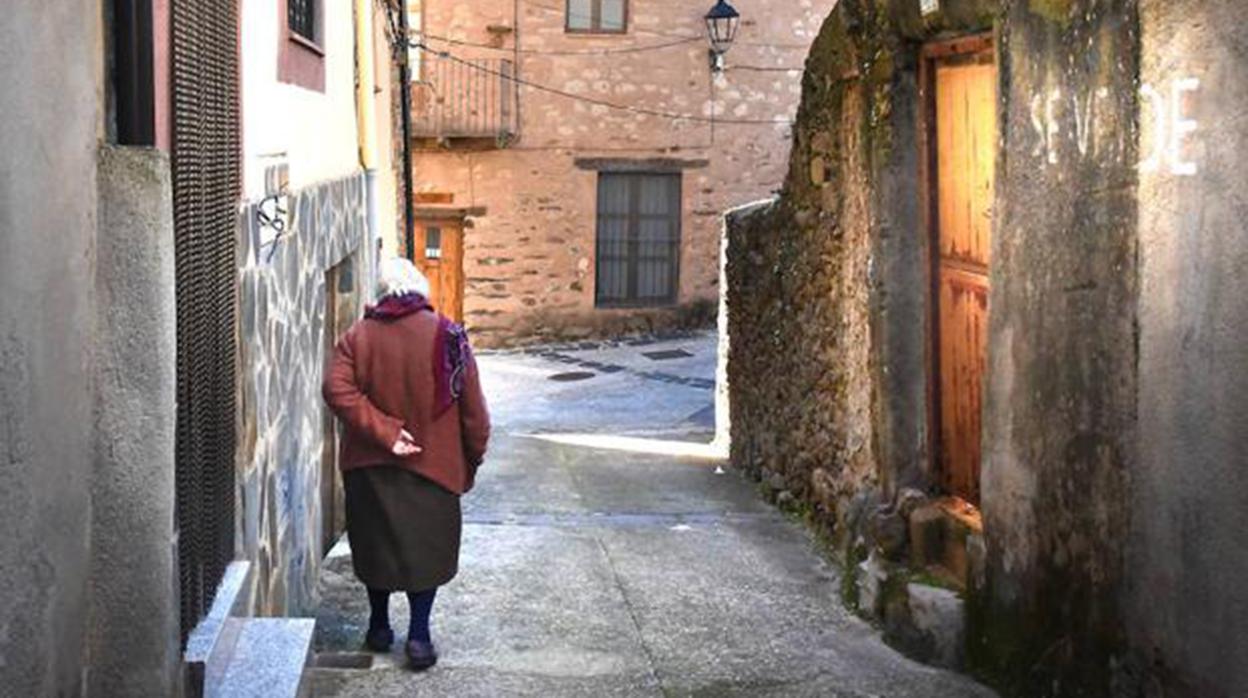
point(262, 658)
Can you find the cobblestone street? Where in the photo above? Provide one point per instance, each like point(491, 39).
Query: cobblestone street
point(592, 569)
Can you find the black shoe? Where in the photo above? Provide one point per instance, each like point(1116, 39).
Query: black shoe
point(379, 639)
point(420, 655)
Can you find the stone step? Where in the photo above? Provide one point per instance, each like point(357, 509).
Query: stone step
point(262, 658)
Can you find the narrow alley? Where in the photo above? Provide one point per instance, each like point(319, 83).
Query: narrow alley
point(850, 348)
point(592, 569)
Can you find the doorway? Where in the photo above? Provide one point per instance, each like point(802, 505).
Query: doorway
point(341, 310)
point(961, 79)
point(438, 251)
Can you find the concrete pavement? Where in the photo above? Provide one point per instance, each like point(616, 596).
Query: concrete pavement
point(589, 570)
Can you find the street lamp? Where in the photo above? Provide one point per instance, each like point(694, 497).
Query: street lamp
point(721, 29)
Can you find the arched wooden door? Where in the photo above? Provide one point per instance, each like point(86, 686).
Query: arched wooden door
point(439, 253)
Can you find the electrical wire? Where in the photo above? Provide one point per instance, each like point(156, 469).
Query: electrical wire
point(556, 52)
point(764, 69)
point(591, 100)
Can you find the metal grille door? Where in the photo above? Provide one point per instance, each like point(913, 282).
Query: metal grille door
point(206, 178)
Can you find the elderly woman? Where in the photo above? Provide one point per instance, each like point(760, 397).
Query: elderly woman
point(404, 383)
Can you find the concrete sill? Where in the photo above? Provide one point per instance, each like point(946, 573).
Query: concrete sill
point(206, 647)
point(267, 658)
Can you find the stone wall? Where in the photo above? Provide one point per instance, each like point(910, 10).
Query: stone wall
point(530, 253)
point(285, 335)
point(1113, 471)
point(826, 286)
point(133, 635)
point(1059, 395)
point(1187, 604)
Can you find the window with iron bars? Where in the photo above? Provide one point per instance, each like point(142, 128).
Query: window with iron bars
point(301, 18)
point(638, 245)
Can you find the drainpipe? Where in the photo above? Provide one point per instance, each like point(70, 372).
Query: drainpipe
point(405, 104)
point(515, 67)
point(366, 129)
point(365, 108)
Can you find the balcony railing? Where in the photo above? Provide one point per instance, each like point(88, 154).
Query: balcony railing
point(469, 98)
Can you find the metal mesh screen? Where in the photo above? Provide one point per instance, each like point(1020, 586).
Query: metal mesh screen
point(206, 179)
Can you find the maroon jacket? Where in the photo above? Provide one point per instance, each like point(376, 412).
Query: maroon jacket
point(381, 380)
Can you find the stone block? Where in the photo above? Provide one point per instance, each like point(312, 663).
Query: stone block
point(938, 621)
point(888, 533)
point(939, 535)
point(268, 658)
point(976, 556)
point(823, 485)
point(927, 535)
point(210, 643)
point(908, 500)
point(776, 481)
point(874, 576)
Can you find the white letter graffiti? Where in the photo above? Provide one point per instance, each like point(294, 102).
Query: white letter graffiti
point(1170, 128)
point(1164, 120)
point(1083, 122)
point(1037, 122)
point(1054, 129)
point(1180, 127)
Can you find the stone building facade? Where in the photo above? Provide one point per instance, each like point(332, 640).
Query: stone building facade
point(524, 176)
point(1101, 555)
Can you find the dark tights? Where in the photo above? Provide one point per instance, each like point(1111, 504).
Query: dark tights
point(420, 603)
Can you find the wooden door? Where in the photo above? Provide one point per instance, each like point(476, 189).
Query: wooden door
point(440, 255)
point(965, 131)
point(341, 310)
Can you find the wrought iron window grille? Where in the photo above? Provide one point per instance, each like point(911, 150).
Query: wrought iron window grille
point(301, 18)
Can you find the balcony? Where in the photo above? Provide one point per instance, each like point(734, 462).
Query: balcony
point(471, 101)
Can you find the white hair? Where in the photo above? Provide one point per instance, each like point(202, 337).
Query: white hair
point(397, 276)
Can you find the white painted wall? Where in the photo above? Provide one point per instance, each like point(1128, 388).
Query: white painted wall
point(314, 131)
point(384, 71)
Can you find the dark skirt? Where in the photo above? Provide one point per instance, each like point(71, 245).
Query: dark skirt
point(404, 529)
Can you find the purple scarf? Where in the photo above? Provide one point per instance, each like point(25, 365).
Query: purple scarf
point(452, 355)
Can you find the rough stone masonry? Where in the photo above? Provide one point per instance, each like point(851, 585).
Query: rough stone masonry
point(1113, 476)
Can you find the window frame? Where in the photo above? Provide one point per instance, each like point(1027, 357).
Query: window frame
point(633, 259)
point(433, 233)
point(300, 60)
point(595, 27)
point(313, 17)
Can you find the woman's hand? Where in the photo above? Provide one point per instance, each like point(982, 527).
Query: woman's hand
point(406, 445)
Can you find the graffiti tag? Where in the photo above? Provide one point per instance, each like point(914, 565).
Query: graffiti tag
point(1166, 120)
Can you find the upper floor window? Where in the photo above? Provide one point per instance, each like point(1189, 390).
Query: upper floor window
point(301, 18)
point(597, 16)
point(300, 58)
